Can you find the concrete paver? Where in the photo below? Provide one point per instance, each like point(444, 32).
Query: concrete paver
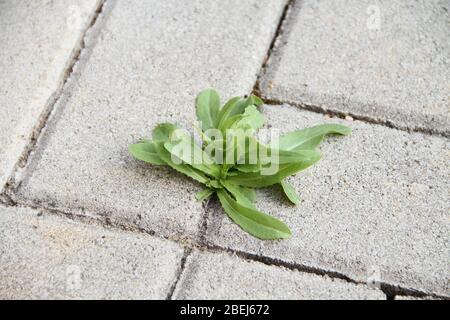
point(221, 276)
point(47, 257)
point(408, 298)
point(384, 60)
point(37, 40)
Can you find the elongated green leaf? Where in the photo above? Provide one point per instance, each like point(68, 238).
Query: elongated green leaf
point(265, 156)
point(254, 100)
point(232, 173)
point(183, 168)
point(247, 168)
point(259, 180)
point(188, 151)
point(230, 122)
point(146, 152)
point(251, 119)
point(309, 138)
point(163, 132)
point(234, 106)
point(204, 194)
point(239, 194)
point(254, 222)
point(249, 193)
point(208, 105)
point(245, 151)
point(290, 192)
point(284, 156)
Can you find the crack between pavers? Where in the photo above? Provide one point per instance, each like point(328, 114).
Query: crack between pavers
point(7, 201)
point(390, 290)
point(49, 107)
point(365, 119)
point(181, 269)
point(204, 221)
point(278, 33)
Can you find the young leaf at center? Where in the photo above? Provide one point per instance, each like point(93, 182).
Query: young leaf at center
point(208, 104)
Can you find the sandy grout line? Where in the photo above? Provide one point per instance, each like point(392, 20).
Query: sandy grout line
point(365, 119)
point(277, 35)
point(181, 269)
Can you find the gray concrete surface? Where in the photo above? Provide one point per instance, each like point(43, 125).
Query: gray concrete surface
point(376, 205)
point(408, 298)
point(384, 60)
point(146, 66)
point(222, 276)
point(46, 257)
point(375, 209)
point(37, 40)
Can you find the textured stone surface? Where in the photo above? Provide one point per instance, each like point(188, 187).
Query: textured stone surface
point(407, 298)
point(149, 62)
point(46, 257)
point(221, 276)
point(37, 40)
point(376, 204)
point(336, 56)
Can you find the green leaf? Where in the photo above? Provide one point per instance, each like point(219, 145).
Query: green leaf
point(208, 105)
point(188, 151)
point(309, 138)
point(284, 156)
point(163, 132)
point(246, 168)
point(254, 222)
point(183, 168)
point(260, 180)
point(290, 192)
point(240, 194)
point(204, 194)
point(234, 106)
point(254, 100)
point(249, 193)
point(251, 119)
point(146, 152)
point(230, 122)
point(248, 160)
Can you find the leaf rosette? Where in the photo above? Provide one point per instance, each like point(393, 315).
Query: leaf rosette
point(231, 162)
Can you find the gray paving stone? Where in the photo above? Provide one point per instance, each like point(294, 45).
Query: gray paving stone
point(47, 257)
point(221, 276)
point(149, 62)
point(407, 298)
point(335, 55)
point(376, 205)
point(37, 40)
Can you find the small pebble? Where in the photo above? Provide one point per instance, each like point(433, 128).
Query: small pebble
point(348, 118)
